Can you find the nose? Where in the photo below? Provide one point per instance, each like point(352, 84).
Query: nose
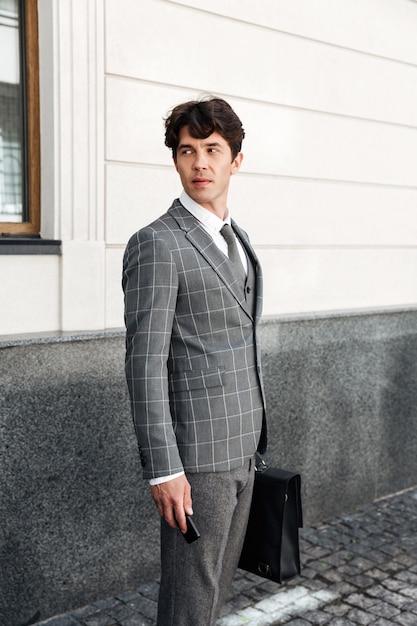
point(200, 161)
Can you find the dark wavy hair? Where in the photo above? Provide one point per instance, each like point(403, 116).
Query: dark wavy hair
point(204, 117)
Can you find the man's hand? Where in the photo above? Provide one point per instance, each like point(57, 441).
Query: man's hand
point(173, 499)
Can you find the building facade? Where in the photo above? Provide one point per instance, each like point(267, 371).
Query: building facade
point(327, 92)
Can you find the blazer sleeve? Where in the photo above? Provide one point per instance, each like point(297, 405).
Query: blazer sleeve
point(150, 284)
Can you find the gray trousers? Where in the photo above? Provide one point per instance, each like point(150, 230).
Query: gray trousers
point(195, 578)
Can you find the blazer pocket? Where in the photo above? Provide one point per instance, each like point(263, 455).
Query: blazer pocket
point(189, 380)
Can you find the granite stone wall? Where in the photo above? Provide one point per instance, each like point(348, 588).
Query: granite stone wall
point(77, 521)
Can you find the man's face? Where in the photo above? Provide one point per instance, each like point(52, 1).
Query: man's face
point(205, 167)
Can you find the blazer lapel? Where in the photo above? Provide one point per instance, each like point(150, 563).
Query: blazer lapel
point(202, 241)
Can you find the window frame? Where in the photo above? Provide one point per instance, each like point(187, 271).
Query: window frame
point(29, 47)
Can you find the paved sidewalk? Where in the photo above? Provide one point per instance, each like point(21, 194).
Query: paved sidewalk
point(357, 569)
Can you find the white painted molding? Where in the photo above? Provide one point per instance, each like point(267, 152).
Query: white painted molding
point(72, 109)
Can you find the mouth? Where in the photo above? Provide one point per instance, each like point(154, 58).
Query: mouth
point(200, 182)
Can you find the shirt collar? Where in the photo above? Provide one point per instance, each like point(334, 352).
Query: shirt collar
point(206, 217)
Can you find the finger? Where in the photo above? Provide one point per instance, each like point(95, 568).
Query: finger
point(170, 518)
point(186, 509)
point(167, 512)
point(180, 519)
point(188, 503)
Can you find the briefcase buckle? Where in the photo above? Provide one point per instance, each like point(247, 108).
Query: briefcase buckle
point(264, 569)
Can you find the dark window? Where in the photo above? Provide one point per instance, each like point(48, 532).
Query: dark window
point(19, 118)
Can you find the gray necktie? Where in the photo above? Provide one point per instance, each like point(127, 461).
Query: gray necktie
point(233, 252)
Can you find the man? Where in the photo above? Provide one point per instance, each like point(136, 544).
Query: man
point(193, 364)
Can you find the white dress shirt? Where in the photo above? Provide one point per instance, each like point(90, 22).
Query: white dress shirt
point(212, 225)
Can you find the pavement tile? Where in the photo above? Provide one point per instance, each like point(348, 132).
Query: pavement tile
point(381, 592)
point(146, 607)
point(390, 550)
point(240, 585)
point(83, 612)
point(406, 619)
point(320, 566)
point(376, 556)
point(383, 609)
point(248, 616)
point(337, 609)
point(313, 585)
point(126, 616)
point(237, 604)
point(100, 619)
point(126, 596)
point(150, 590)
point(272, 587)
point(347, 570)
point(377, 574)
point(407, 576)
point(317, 617)
point(406, 559)
point(361, 600)
point(342, 588)
point(360, 581)
point(63, 620)
point(338, 558)
point(318, 552)
point(392, 567)
point(256, 593)
point(309, 572)
point(357, 616)
point(362, 564)
point(105, 604)
point(393, 584)
point(332, 576)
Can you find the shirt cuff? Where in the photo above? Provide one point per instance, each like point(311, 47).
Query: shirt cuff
point(164, 479)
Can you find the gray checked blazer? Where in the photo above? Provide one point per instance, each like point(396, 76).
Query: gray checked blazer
point(192, 357)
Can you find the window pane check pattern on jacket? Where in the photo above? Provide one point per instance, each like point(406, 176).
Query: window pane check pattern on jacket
point(192, 358)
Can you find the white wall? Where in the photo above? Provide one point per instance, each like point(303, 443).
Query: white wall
point(327, 92)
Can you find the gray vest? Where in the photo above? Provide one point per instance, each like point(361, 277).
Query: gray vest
point(250, 287)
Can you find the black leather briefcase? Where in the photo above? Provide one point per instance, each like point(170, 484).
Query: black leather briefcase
point(271, 547)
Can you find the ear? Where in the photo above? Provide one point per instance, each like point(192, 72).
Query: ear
point(175, 162)
point(236, 163)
